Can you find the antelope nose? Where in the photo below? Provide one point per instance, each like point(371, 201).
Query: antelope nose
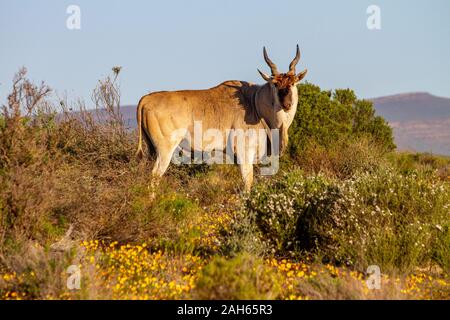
point(286, 106)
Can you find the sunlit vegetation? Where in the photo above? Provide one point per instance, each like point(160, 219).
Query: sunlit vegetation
point(72, 193)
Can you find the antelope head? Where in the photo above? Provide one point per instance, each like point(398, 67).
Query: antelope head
point(284, 89)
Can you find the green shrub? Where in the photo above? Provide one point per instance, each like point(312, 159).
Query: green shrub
point(383, 217)
point(407, 162)
point(441, 249)
point(292, 211)
point(242, 235)
point(162, 214)
point(176, 206)
point(243, 277)
point(324, 118)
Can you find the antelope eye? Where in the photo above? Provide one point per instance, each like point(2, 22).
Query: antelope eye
point(283, 92)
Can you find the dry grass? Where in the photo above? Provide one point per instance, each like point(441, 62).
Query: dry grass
point(343, 159)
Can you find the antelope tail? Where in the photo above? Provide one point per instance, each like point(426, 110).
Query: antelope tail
point(139, 152)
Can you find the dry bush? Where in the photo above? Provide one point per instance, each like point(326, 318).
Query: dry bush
point(343, 159)
point(27, 160)
point(60, 167)
point(97, 136)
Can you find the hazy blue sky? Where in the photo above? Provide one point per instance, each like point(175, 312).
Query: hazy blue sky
point(166, 45)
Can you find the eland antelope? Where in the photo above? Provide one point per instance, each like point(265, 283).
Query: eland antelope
point(167, 119)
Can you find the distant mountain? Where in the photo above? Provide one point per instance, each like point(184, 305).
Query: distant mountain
point(416, 106)
point(421, 121)
point(129, 116)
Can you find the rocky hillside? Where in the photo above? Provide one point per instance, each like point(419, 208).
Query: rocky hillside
point(421, 121)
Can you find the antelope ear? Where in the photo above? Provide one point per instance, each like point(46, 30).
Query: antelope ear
point(301, 75)
point(264, 76)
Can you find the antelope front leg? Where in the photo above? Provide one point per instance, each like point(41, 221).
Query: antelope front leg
point(247, 175)
point(245, 161)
